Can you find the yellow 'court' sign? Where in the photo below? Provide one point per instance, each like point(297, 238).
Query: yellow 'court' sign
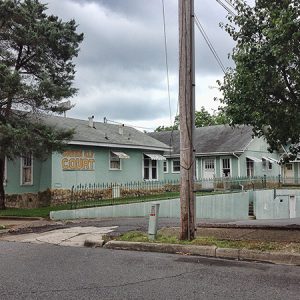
point(78, 160)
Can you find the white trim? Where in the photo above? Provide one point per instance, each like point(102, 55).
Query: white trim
point(210, 154)
point(252, 169)
point(206, 154)
point(238, 162)
point(121, 154)
point(273, 160)
point(150, 169)
point(154, 156)
point(254, 159)
point(197, 168)
point(172, 166)
point(21, 172)
point(114, 169)
point(117, 146)
point(246, 147)
point(221, 166)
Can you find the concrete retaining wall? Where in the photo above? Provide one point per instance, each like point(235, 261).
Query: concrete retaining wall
point(224, 206)
point(275, 205)
point(232, 206)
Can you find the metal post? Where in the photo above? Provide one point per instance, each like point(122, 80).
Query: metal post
point(153, 220)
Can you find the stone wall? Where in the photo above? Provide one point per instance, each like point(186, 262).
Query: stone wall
point(35, 200)
point(54, 197)
point(28, 200)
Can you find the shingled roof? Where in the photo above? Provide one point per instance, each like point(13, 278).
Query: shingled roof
point(211, 139)
point(104, 134)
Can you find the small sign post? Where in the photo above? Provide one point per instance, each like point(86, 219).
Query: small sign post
point(153, 218)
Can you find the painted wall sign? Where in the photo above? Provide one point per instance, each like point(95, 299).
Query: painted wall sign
point(78, 160)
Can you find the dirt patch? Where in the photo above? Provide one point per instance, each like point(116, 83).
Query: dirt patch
point(238, 234)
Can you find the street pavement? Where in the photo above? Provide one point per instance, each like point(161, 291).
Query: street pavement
point(43, 271)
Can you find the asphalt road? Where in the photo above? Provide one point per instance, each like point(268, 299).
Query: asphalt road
point(29, 271)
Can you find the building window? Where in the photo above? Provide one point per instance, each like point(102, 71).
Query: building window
point(264, 164)
point(150, 168)
point(114, 162)
point(289, 167)
point(26, 169)
point(226, 167)
point(176, 166)
point(250, 167)
point(209, 164)
point(165, 166)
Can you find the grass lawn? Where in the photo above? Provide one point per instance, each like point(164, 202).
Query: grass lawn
point(44, 212)
point(138, 236)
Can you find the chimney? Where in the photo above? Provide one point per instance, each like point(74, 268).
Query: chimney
point(121, 129)
point(91, 121)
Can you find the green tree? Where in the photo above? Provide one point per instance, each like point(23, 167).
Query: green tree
point(263, 90)
point(202, 118)
point(36, 74)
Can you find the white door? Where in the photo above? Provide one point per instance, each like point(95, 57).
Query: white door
point(208, 173)
point(292, 206)
point(289, 173)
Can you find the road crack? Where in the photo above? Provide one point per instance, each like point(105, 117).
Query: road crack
point(102, 286)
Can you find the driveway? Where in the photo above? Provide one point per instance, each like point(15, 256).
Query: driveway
point(74, 236)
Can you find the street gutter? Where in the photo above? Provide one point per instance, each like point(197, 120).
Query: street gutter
point(208, 251)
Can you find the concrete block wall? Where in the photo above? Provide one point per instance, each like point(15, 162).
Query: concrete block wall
point(223, 206)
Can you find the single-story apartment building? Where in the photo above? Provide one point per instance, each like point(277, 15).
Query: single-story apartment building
point(98, 153)
point(221, 151)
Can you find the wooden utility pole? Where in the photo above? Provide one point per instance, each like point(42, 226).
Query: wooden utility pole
point(187, 118)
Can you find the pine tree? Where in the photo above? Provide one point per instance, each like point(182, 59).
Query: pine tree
point(36, 75)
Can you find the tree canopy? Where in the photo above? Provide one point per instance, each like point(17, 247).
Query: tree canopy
point(202, 118)
point(263, 90)
point(36, 75)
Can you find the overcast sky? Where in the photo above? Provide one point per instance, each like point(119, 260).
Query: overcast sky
point(121, 72)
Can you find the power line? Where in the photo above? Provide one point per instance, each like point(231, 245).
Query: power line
point(166, 58)
point(226, 7)
point(129, 125)
point(210, 45)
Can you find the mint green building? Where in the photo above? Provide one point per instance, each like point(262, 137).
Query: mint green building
point(98, 153)
point(101, 153)
point(221, 151)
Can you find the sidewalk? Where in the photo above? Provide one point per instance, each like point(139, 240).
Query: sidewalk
point(23, 224)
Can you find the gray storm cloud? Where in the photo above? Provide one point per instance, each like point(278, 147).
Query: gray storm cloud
point(121, 68)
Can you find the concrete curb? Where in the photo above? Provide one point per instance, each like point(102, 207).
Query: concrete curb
point(93, 243)
point(209, 251)
point(21, 218)
point(4, 232)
